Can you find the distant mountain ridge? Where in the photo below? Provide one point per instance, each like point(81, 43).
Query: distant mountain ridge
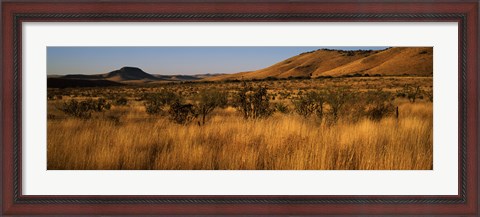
point(122, 76)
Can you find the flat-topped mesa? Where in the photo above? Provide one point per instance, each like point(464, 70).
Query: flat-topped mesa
point(129, 73)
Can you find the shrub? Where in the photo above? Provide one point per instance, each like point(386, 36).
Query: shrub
point(208, 100)
point(429, 95)
point(76, 109)
point(182, 113)
point(122, 101)
point(376, 113)
point(158, 103)
point(337, 98)
point(50, 96)
point(271, 78)
point(172, 105)
point(253, 102)
point(84, 109)
point(324, 77)
point(282, 108)
point(310, 103)
point(412, 93)
point(114, 119)
point(98, 105)
point(380, 104)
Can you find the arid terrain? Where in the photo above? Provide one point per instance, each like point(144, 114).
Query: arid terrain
point(321, 110)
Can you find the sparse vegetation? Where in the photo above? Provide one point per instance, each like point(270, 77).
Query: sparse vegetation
point(257, 125)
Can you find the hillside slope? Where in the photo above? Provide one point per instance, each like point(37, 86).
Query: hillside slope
point(392, 61)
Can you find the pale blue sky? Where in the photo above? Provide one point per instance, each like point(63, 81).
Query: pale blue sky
point(171, 60)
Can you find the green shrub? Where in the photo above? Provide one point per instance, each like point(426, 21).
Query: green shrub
point(207, 100)
point(282, 108)
point(158, 103)
point(182, 113)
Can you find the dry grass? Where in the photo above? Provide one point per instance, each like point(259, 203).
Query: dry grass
point(228, 142)
point(126, 137)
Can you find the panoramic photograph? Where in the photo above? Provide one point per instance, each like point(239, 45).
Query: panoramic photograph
point(240, 108)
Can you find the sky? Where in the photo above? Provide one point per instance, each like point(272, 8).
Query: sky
point(171, 60)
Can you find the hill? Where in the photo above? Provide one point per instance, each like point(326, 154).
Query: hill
point(129, 74)
point(417, 61)
point(124, 74)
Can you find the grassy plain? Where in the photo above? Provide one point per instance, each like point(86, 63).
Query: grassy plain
point(127, 137)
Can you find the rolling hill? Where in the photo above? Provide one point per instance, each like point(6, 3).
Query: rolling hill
point(415, 61)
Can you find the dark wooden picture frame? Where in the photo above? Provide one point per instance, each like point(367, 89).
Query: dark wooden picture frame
point(465, 13)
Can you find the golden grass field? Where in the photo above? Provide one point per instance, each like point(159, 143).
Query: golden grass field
point(127, 138)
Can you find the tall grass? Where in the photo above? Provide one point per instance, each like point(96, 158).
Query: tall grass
point(229, 142)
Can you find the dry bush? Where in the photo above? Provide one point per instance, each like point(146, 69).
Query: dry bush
point(84, 109)
point(253, 102)
point(380, 104)
point(410, 92)
point(311, 103)
point(122, 101)
point(337, 98)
